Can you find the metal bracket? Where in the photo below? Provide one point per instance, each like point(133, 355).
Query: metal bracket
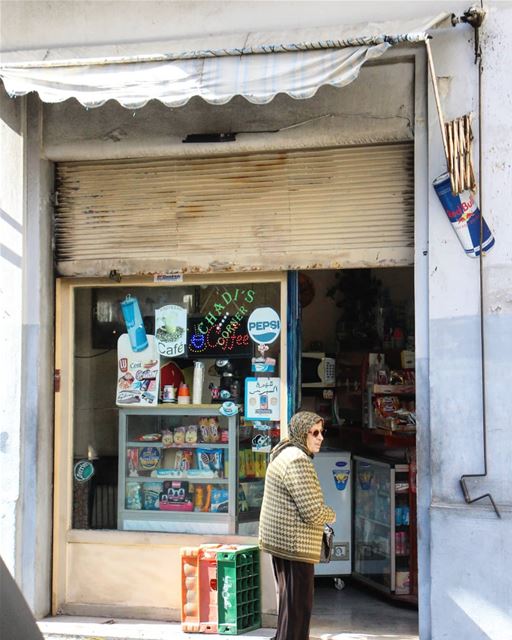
point(468, 498)
point(115, 275)
point(474, 17)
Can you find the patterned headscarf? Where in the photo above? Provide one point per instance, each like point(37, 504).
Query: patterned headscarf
point(298, 429)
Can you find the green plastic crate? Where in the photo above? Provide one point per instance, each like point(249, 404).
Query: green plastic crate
point(238, 584)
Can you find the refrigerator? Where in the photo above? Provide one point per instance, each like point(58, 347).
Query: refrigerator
point(384, 530)
point(334, 472)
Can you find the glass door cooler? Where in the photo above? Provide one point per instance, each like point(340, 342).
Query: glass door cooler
point(383, 527)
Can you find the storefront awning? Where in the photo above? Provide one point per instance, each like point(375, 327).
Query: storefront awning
point(255, 66)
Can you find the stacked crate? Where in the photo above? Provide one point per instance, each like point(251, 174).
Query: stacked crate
point(238, 582)
point(199, 589)
point(220, 589)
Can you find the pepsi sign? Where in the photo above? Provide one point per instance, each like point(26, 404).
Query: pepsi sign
point(264, 325)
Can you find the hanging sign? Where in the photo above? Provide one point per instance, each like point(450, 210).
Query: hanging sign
point(137, 373)
point(464, 214)
point(264, 325)
point(262, 398)
point(171, 330)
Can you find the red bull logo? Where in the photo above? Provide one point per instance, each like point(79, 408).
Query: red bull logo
point(462, 211)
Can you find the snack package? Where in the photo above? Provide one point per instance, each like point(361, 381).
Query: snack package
point(210, 459)
point(133, 499)
point(167, 438)
point(191, 434)
point(149, 458)
point(149, 437)
point(209, 429)
point(184, 459)
point(204, 433)
point(213, 426)
point(150, 494)
point(179, 435)
point(386, 405)
point(132, 461)
point(219, 500)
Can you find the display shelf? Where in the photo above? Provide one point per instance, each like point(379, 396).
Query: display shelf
point(392, 389)
point(377, 522)
point(196, 445)
point(195, 479)
point(177, 501)
point(388, 418)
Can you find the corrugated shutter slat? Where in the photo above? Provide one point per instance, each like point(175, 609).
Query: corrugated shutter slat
point(316, 208)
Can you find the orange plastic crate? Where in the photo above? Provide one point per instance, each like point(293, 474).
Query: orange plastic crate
point(199, 589)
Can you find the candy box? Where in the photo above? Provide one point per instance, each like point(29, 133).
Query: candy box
point(175, 496)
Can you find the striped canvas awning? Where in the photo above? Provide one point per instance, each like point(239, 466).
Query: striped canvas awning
point(255, 66)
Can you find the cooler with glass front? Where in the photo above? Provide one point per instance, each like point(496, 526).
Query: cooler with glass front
point(384, 530)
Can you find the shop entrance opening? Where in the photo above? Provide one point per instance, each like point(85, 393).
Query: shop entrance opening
point(357, 371)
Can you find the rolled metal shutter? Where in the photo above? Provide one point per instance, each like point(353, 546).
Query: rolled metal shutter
point(319, 208)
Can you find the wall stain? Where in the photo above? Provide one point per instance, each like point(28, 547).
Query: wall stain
point(4, 436)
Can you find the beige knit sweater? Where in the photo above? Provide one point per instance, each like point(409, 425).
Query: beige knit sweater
point(293, 512)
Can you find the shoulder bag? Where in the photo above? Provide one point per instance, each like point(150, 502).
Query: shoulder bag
point(327, 543)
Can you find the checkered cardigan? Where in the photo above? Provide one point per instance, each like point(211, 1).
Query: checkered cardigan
point(293, 512)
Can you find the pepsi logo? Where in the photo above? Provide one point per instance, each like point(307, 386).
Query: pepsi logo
point(264, 325)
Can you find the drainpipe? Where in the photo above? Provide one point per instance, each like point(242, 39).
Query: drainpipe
point(475, 17)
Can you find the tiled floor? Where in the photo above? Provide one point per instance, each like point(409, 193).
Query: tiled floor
point(357, 614)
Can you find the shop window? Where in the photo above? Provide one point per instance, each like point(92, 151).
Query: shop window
point(147, 456)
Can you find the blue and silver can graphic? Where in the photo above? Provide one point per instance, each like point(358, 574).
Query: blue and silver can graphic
point(464, 214)
point(134, 323)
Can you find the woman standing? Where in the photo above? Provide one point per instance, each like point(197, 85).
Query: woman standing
point(292, 521)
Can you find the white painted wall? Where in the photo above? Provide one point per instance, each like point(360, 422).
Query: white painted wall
point(471, 595)
point(11, 261)
point(464, 595)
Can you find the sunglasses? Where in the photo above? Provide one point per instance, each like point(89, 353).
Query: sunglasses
point(316, 432)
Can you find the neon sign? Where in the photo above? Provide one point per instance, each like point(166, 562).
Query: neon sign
point(216, 342)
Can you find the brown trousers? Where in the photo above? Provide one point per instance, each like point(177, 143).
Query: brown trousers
point(295, 586)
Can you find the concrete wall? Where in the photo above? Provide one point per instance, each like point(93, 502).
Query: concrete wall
point(469, 599)
point(11, 273)
point(464, 547)
point(27, 339)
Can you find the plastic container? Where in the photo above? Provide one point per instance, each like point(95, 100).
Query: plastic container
point(199, 607)
point(198, 381)
point(183, 394)
point(238, 580)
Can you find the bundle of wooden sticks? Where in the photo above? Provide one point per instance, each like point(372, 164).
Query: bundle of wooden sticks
point(459, 138)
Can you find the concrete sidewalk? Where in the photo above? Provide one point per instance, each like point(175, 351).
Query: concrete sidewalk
point(75, 628)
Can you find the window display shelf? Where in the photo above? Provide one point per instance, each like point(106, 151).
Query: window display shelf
point(195, 445)
point(196, 479)
point(202, 501)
